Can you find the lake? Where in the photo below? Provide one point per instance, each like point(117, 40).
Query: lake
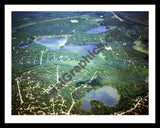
point(51, 42)
point(98, 20)
point(108, 95)
point(24, 46)
point(99, 29)
point(77, 49)
point(26, 18)
point(58, 44)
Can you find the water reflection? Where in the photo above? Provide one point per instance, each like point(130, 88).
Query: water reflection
point(58, 44)
point(108, 95)
point(97, 30)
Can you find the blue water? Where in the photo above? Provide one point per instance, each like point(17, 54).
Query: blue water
point(25, 46)
point(26, 18)
point(98, 29)
point(50, 42)
point(58, 44)
point(98, 20)
point(77, 49)
point(108, 95)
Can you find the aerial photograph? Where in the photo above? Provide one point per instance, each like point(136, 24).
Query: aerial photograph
point(80, 63)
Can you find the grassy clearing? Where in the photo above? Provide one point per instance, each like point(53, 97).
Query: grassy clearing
point(101, 56)
point(140, 47)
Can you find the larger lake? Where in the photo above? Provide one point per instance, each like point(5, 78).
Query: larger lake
point(77, 49)
point(58, 44)
point(98, 29)
point(108, 95)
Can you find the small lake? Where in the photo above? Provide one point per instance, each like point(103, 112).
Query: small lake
point(25, 18)
point(24, 46)
point(99, 29)
point(58, 44)
point(108, 95)
point(98, 20)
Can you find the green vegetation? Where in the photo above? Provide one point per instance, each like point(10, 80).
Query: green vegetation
point(140, 47)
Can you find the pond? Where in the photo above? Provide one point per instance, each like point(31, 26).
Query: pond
point(24, 46)
point(98, 20)
point(99, 29)
point(108, 95)
point(58, 44)
point(25, 18)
